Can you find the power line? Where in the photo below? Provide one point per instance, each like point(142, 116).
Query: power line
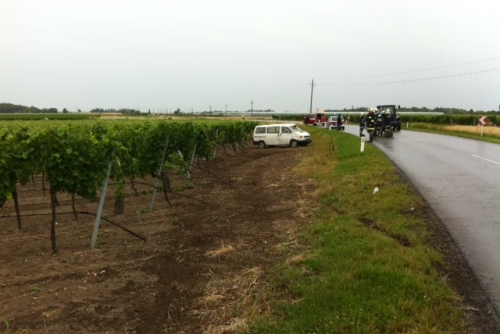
point(421, 70)
point(301, 87)
point(414, 80)
point(291, 91)
point(282, 95)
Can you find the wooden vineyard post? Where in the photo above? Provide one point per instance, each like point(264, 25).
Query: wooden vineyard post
point(101, 203)
point(75, 214)
point(160, 171)
point(216, 142)
point(16, 205)
point(132, 184)
point(53, 204)
point(119, 199)
point(43, 183)
point(166, 186)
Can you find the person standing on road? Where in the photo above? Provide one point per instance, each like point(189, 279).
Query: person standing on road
point(379, 122)
point(339, 120)
point(370, 124)
point(362, 122)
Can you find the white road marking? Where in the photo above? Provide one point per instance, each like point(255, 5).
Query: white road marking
point(494, 162)
point(425, 141)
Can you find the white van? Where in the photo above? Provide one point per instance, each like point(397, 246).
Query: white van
point(280, 135)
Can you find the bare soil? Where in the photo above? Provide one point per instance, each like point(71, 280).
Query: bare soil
point(203, 268)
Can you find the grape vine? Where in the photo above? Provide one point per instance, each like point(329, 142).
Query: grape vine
point(73, 156)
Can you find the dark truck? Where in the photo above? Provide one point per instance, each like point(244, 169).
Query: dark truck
point(388, 119)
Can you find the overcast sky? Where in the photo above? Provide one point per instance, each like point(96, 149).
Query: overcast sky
point(202, 54)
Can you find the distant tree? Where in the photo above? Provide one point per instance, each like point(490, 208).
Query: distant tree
point(79, 110)
point(177, 112)
point(65, 111)
point(12, 108)
point(32, 110)
point(129, 111)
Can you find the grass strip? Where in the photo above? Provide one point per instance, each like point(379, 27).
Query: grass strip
point(369, 266)
point(491, 134)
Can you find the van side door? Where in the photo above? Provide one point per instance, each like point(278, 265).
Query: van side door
point(273, 135)
point(285, 136)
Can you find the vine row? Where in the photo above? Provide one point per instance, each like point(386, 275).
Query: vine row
point(73, 155)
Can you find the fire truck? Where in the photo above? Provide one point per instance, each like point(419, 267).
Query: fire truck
point(317, 119)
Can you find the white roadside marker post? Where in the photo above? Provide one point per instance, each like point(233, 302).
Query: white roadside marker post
point(483, 120)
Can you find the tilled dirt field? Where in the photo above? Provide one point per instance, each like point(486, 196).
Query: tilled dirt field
point(204, 264)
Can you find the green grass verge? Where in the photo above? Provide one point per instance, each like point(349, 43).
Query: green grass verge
point(436, 128)
point(369, 266)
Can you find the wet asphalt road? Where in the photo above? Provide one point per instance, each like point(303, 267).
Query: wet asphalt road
point(460, 179)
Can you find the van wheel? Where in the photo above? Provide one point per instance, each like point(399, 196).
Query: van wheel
point(293, 143)
point(262, 145)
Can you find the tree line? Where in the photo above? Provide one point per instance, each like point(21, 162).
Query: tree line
point(9, 108)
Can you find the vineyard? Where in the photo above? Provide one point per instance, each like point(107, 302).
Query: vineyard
point(207, 252)
point(81, 157)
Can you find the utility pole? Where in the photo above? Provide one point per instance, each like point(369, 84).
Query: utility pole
point(225, 112)
point(311, 105)
point(251, 109)
point(210, 108)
